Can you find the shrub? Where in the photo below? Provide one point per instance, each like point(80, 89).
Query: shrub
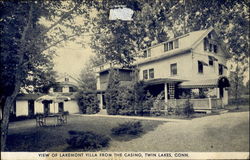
point(128, 128)
point(112, 93)
point(87, 140)
point(88, 103)
point(188, 108)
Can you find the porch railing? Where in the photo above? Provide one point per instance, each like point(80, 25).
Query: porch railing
point(198, 104)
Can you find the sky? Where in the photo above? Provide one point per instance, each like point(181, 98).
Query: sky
point(72, 58)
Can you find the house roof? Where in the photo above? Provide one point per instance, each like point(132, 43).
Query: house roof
point(28, 96)
point(191, 41)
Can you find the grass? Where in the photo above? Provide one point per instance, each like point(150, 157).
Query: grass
point(27, 137)
point(242, 108)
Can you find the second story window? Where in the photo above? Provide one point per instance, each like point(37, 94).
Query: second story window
point(145, 74)
point(200, 67)
point(205, 44)
point(151, 73)
point(215, 49)
point(58, 89)
point(173, 68)
point(220, 67)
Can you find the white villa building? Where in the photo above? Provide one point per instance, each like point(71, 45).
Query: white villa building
point(27, 104)
point(194, 62)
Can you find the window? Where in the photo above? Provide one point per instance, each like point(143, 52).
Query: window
point(151, 73)
point(165, 47)
point(176, 43)
point(200, 67)
point(205, 44)
point(66, 79)
point(210, 47)
point(220, 69)
point(171, 45)
point(215, 49)
point(58, 89)
point(211, 62)
point(173, 68)
point(209, 35)
point(145, 74)
point(72, 89)
point(147, 53)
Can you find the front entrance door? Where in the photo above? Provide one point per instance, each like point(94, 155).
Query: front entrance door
point(60, 107)
point(31, 108)
point(46, 107)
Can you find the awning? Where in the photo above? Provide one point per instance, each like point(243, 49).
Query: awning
point(204, 63)
point(224, 66)
point(206, 83)
point(211, 83)
point(212, 58)
point(162, 80)
point(56, 98)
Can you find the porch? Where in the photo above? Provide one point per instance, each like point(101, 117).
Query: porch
point(206, 105)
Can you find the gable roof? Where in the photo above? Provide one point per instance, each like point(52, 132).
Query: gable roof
point(64, 75)
point(189, 42)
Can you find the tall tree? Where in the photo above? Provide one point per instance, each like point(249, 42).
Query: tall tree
point(156, 21)
point(26, 43)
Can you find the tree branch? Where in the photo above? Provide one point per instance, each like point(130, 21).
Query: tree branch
point(48, 47)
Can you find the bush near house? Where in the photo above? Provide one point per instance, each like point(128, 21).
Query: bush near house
point(128, 128)
point(188, 108)
point(112, 93)
point(88, 103)
point(87, 140)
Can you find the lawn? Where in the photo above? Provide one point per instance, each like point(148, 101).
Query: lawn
point(24, 136)
point(227, 132)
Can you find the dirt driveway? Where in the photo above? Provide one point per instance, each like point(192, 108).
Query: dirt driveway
point(220, 133)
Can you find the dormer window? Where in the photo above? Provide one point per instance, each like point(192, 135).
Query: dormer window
point(176, 43)
point(147, 53)
point(165, 47)
point(171, 45)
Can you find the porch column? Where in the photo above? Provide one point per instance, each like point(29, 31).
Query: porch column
point(218, 92)
point(166, 92)
point(101, 101)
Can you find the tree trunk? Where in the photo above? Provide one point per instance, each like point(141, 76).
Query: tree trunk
point(6, 114)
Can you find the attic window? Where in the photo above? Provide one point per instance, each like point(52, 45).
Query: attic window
point(66, 79)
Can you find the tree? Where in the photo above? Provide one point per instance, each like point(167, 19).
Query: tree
point(236, 80)
point(26, 44)
point(112, 92)
point(87, 81)
point(156, 21)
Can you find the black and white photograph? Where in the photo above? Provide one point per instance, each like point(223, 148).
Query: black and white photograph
point(130, 79)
